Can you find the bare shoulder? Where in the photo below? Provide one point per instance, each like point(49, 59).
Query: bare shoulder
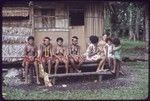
point(70, 46)
point(35, 46)
point(79, 46)
point(51, 44)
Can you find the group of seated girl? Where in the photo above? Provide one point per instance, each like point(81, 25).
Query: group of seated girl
point(101, 51)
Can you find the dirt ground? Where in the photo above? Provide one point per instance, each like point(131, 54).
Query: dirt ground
point(76, 83)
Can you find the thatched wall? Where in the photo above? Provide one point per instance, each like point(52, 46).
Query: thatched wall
point(15, 11)
point(15, 30)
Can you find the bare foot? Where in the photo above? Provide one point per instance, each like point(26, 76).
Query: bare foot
point(26, 82)
point(38, 82)
point(105, 70)
point(97, 70)
point(113, 71)
point(79, 71)
point(121, 72)
point(100, 70)
point(49, 85)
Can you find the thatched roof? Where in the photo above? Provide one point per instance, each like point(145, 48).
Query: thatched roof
point(15, 11)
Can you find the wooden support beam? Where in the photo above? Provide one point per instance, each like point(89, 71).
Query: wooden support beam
point(4, 70)
point(31, 7)
point(80, 74)
point(100, 78)
point(89, 65)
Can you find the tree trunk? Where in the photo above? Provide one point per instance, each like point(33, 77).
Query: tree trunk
point(131, 34)
point(147, 26)
point(137, 23)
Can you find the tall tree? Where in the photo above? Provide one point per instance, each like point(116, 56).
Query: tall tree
point(131, 33)
point(137, 22)
point(147, 25)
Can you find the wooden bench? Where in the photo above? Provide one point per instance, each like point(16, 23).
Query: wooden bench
point(85, 66)
point(100, 75)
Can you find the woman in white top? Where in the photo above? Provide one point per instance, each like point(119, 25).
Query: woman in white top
point(91, 53)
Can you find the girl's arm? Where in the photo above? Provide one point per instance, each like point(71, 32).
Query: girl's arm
point(116, 48)
point(106, 48)
point(54, 50)
point(89, 51)
point(79, 52)
point(92, 53)
point(41, 51)
point(69, 50)
point(51, 52)
point(66, 52)
point(36, 51)
point(25, 50)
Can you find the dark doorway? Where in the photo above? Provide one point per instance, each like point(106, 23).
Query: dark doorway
point(76, 17)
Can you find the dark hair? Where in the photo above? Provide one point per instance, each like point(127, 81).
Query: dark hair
point(93, 39)
point(47, 38)
point(75, 37)
point(108, 39)
point(30, 38)
point(60, 38)
point(116, 41)
point(104, 34)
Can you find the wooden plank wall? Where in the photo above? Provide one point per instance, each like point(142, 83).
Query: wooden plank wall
point(94, 20)
point(60, 13)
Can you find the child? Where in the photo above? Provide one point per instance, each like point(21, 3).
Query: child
point(117, 54)
point(30, 53)
point(74, 53)
point(109, 51)
point(46, 53)
point(92, 50)
point(60, 54)
point(102, 53)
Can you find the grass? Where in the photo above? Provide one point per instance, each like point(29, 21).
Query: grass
point(137, 91)
point(130, 44)
point(130, 47)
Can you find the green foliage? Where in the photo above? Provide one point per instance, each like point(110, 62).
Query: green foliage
point(117, 17)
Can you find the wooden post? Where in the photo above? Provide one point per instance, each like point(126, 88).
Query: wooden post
point(99, 78)
point(117, 69)
point(53, 81)
point(68, 25)
point(31, 7)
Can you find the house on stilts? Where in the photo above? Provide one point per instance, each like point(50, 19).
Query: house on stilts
point(52, 18)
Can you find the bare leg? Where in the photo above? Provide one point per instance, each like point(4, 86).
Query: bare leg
point(109, 62)
point(117, 67)
point(73, 65)
point(56, 65)
point(101, 64)
point(37, 72)
point(114, 67)
point(26, 72)
point(66, 65)
point(81, 60)
point(44, 63)
point(49, 66)
point(80, 63)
